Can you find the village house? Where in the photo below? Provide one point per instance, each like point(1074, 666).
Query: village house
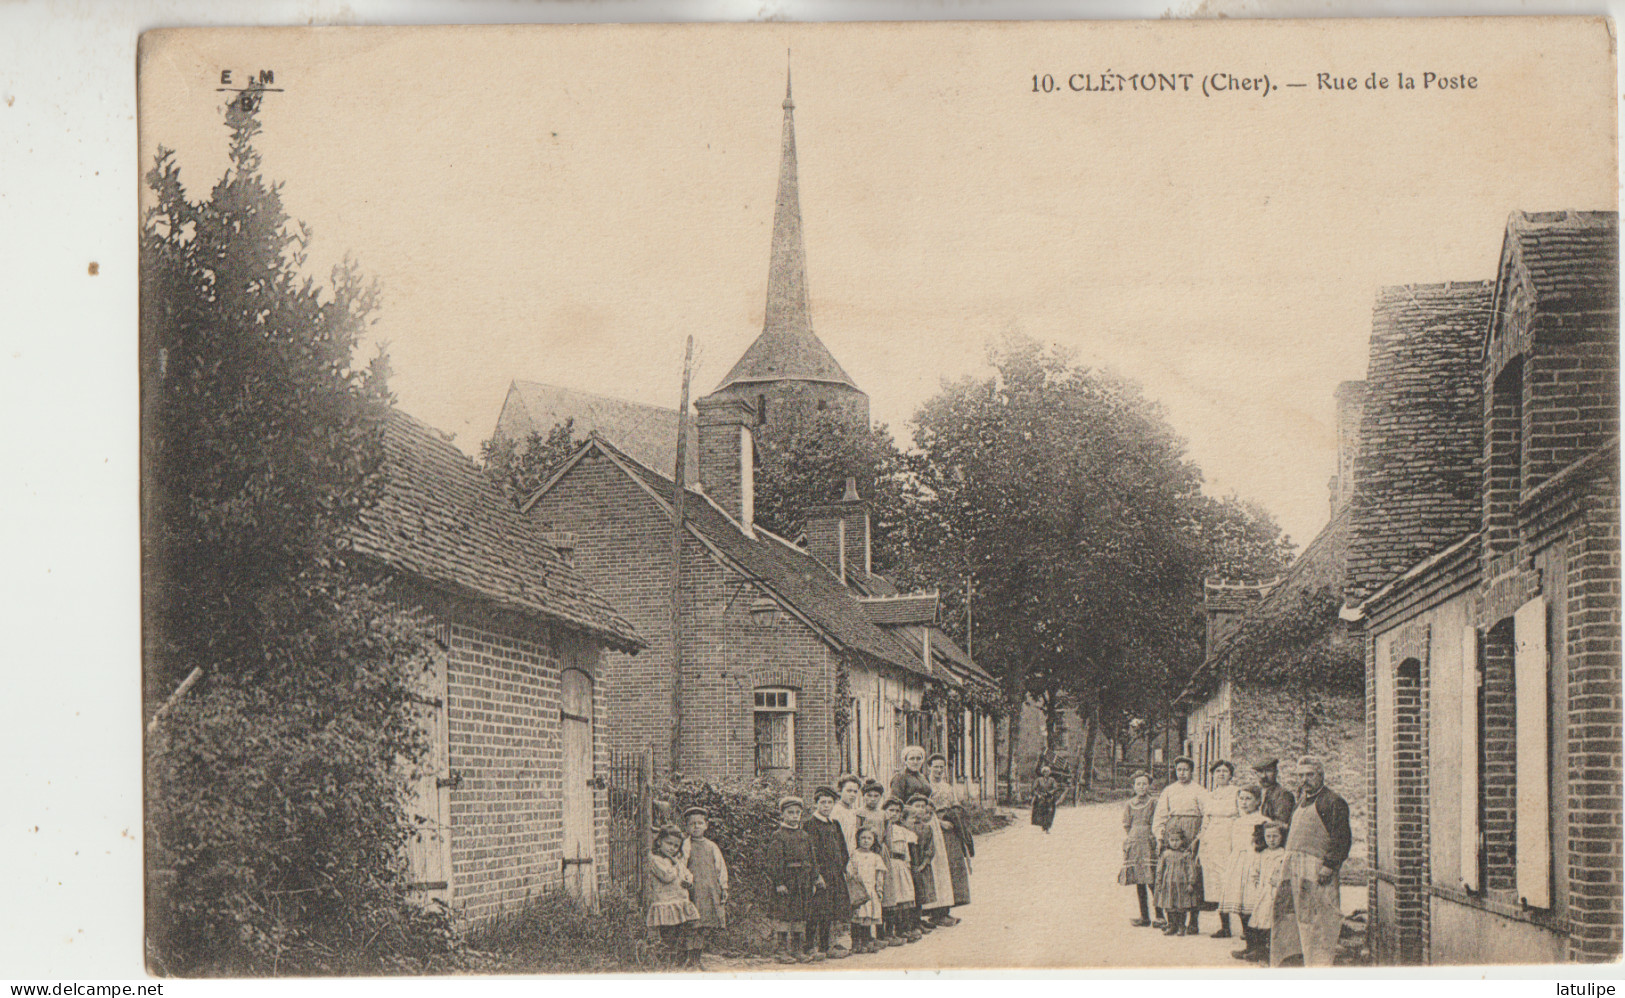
point(509, 802)
point(1490, 593)
point(798, 661)
point(1283, 676)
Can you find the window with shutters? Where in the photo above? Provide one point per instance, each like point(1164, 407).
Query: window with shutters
point(776, 732)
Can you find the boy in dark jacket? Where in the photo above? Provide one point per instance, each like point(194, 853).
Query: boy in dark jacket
point(791, 871)
point(830, 905)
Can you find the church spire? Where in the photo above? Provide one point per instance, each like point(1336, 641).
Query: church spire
point(787, 311)
point(787, 348)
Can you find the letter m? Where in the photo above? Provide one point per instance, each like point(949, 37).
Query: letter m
point(267, 76)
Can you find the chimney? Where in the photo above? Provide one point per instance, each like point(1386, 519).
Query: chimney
point(1350, 396)
point(838, 534)
point(1226, 602)
point(727, 456)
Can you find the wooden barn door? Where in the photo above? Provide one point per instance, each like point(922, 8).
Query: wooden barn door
point(580, 872)
point(428, 851)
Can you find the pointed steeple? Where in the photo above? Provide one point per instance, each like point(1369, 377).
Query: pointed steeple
point(787, 348)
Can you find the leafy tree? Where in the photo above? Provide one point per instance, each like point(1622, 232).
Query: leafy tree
point(277, 786)
point(803, 460)
point(1064, 496)
point(1062, 499)
point(523, 466)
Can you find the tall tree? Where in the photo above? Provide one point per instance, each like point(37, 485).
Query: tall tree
point(1065, 496)
point(276, 793)
point(1064, 500)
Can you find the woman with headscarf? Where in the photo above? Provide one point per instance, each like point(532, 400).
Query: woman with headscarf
point(956, 833)
point(912, 779)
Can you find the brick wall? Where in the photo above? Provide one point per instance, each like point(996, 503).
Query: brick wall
point(789, 401)
point(504, 741)
point(1592, 734)
point(623, 548)
point(1268, 722)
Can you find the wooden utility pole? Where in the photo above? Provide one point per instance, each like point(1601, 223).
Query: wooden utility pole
point(679, 495)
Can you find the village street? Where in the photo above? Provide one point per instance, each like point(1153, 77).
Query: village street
point(1047, 901)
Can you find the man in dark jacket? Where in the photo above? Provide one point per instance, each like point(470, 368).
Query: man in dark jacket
point(1276, 804)
point(1308, 905)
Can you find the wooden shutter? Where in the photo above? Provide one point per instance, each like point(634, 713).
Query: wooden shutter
point(1534, 869)
point(1469, 759)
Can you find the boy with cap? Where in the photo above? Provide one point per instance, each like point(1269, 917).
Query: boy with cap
point(830, 905)
point(710, 887)
point(794, 877)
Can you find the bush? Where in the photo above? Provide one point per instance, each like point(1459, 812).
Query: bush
point(743, 815)
point(556, 933)
point(277, 844)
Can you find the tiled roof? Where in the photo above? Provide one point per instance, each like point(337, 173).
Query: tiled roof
point(796, 576)
point(1417, 478)
point(648, 433)
point(441, 519)
point(921, 609)
point(1571, 257)
point(1324, 563)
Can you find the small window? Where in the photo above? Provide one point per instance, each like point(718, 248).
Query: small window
point(776, 733)
point(822, 405)
point(761, 410)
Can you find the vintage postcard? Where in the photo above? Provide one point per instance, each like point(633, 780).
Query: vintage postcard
point(880, 496)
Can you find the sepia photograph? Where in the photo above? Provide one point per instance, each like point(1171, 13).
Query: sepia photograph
point(879, 497)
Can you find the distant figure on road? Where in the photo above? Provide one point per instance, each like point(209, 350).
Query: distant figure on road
point(1308, 905)
point(1046, 791)
point(1180, 807)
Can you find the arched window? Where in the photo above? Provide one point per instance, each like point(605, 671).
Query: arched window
point(775, 732)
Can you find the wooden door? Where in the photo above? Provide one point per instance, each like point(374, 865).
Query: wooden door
point(576, 720)
point(428, 850)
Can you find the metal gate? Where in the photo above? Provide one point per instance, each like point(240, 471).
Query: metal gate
point(630, 818)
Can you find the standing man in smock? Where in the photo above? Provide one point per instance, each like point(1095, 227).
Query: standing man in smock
point(1308, 905)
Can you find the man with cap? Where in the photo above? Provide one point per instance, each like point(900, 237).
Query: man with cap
point(1308, 904)
point(1181, 805)
point(1277, 803)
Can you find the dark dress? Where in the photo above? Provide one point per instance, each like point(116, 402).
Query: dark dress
point(906, 784)
point(1046, 791)
point(833, 903)
point(790, 864)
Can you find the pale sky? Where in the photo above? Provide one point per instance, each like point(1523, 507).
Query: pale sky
point(566, 204)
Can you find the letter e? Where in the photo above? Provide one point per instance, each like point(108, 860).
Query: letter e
point(225, 77)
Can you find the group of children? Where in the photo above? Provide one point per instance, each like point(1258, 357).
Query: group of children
point(1167, 874)
point(853, 876)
